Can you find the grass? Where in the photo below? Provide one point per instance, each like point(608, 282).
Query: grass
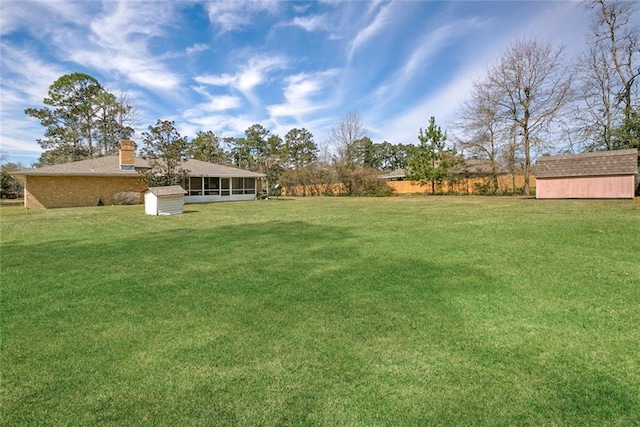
point(323, 311)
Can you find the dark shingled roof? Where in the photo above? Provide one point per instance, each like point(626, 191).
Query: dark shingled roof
point(618, 162)
point(170, 190)
point(398, 173)
point(468, 167)
point(477, 167)
point(109, 166)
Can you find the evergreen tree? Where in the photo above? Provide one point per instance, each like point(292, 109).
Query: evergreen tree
point(81, 120)
point(429, 161)
point(206, 147)
point(165, 150)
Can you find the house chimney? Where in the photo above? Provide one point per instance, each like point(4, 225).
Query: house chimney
point(127, 155)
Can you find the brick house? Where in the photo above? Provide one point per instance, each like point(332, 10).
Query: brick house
point(598, 175)
point(93, 181)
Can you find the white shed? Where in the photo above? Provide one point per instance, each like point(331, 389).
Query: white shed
point(164, 200)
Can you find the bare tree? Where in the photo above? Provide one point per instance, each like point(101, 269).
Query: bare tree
point(595, 114)
point(613, 65)
point(115, 120)
point(480, 131)
point(532, 85)
point(347, 135)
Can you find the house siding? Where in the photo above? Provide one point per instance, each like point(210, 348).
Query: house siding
point(70, 191)
point(591, 187)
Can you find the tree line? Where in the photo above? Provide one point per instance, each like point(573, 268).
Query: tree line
point(530, 99)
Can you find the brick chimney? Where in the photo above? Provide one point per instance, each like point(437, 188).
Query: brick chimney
point(127, 155)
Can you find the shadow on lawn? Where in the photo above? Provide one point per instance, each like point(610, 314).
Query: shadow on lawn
point(253, 305)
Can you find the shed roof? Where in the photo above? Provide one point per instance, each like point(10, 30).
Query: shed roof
point(170, 190)
point(110, 166)
point(617, 162)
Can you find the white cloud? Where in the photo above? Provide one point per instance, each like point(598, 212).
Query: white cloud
point(233, 15)
point(25, 75)
point(249, 76)
point(222, 124)
point(403, 127)
point(380, 22)
point(41, 18)
point(25, 83)
point(428, 51)
point(213, 105)
point(197, 48)
point(216, 80)
point(119, 43)
point(311, 23)
point(128, 23)
point(111, 37)
point(302, 94)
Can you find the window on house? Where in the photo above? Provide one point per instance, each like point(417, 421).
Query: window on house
point(224, 186)
point(237, 186)
point(249, 186)
point(211, 186)
point(244, 185)
point(195, 186)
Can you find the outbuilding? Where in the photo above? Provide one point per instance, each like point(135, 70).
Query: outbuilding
point(164, 200)
point(597, 175)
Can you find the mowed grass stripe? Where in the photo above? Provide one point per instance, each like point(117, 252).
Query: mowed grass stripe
point(327, 311)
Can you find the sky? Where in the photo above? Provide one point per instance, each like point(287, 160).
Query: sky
point(223, 66)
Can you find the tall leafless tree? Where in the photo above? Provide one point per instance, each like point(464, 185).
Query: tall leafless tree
point(595, 115)
point(480, 132)
point(612, 65)
point(346, 135)
point(532, 83)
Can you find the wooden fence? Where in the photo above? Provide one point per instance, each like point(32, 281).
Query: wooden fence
point(461, 186)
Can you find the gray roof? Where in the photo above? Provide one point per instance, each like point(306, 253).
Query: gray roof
point(477, 167)
point(170, 190)
point(109, 166)
point(469, 167)
point(617, 162)
point(200, 168)
point(398, 173)
point(99, 166)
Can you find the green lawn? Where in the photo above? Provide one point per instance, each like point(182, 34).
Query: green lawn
point(323, 311)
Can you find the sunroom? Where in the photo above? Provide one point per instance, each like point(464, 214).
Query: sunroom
point(209, 182)
point(203, 189)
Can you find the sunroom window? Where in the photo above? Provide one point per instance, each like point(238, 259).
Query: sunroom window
point(195, 186)
point(211, 185)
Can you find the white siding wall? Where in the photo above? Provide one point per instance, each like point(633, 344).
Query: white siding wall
point(170, 205)
point(163, 205)
point(209, 199)
point(150, 203)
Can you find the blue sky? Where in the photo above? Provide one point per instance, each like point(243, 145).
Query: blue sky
point(223, 66)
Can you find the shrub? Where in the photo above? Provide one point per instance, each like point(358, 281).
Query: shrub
point(126, 198)
point(366, 182)
point(485, 188)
